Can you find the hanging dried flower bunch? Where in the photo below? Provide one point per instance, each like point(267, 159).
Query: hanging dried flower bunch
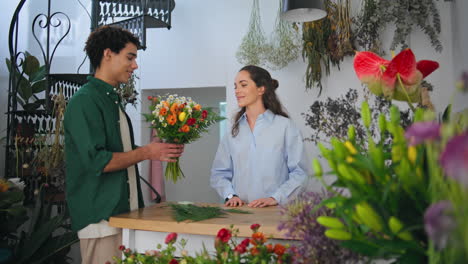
point(254, 47)
point(367, 33)
point(327, 41)
point(284, 43)
point(405, 14)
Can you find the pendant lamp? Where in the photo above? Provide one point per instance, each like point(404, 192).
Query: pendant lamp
point(303, 10)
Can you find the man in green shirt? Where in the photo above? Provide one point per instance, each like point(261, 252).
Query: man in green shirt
point(101, 172)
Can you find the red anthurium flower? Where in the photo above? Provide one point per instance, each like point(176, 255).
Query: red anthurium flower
point(426, 67)
point(404, 66)
point(369, 68)
point(397, 79)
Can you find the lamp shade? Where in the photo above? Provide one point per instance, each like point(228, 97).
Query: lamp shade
point(303, 10)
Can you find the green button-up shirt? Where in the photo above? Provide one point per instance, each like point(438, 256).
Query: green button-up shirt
point(92, 134)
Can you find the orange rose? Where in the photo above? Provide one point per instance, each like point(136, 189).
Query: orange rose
point(171, 119)
point(259, 237)
point(185, 128)
point(254, 251)
point(197, 107)
point(165, 103)
point(269, 247)
point(174, 108)
point(163, 111)
point(279, 249)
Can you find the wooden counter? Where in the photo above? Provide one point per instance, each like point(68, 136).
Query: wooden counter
point(159, 218)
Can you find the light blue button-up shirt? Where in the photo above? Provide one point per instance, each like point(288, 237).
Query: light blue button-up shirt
point(269, 161)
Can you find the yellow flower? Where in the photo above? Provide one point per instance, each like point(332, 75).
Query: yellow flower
point(350, 147)
point(349, 159)
point(412, 154)
point(182, 116)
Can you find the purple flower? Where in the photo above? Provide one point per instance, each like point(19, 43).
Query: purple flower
point(454, 158)
point(301, 224)
point(464, 82)
point(438, 223)
point(422, 131)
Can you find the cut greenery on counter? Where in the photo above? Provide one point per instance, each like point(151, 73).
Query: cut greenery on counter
point(182, 212)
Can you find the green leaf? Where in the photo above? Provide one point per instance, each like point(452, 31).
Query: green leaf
point(38, 75)
point(237, 211)
point(10, 197)
point(361, 247)
point(37, 239)
point(20, 100)
point(24, 89)
point(39, 86)
point(54, 246)
point(182, 212)
point(30, 107)
point(8, 64)
point(30, 65)
point(447, 113)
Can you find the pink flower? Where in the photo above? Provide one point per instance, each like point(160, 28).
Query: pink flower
point(422, 131)
point(454, 158)
point(224, 235)
point(438, 223)
point(171, 238)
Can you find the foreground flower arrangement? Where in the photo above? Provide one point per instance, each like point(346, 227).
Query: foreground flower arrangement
point(179, 120)
point(401, 197)
point(250, 250)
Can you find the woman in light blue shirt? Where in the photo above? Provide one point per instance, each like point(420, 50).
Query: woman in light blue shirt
point(262, 160)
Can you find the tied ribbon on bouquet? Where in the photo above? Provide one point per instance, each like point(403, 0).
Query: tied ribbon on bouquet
point(179, 120)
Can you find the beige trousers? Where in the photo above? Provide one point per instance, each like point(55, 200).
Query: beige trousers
point(100, 250)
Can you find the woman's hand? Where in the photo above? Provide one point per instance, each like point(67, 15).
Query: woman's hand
point(234, 202)
point(263, 202)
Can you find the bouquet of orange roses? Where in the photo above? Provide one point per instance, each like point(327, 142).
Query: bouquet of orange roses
point(179, 120)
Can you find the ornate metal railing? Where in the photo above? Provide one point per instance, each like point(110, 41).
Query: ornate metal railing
point(134, 15)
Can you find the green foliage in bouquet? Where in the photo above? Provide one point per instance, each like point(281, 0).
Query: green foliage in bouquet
point(253, 250)
point(179, 120)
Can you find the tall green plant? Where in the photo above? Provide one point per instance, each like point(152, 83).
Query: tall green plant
point(45, 238)
point(29, 81)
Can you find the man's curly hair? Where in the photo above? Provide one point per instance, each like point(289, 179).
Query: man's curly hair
point(107, 37)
